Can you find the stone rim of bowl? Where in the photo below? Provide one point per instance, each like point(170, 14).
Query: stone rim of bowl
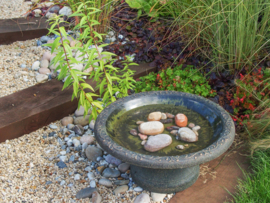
point(214, 150)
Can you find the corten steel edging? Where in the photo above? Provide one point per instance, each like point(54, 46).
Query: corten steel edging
point(21, 29)
point(30, 109)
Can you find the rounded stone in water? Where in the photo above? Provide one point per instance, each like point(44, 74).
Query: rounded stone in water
point(121, 127)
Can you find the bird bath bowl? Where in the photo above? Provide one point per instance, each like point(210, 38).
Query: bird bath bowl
point(169, 170)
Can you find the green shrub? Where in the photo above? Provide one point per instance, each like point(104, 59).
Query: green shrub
point(188, 80)
point(94, 63)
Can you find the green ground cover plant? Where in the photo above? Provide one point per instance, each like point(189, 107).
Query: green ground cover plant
point(187, 80)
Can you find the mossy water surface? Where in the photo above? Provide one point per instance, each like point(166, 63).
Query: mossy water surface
point(119, 124)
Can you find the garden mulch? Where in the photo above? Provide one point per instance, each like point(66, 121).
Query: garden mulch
point(211, 188)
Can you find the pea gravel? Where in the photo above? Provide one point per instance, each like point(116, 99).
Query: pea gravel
point(15, 66)
point(28, 172)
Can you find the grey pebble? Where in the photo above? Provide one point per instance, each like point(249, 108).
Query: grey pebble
point(110, 173)
point(106, 182)
point(125, 176)
point(61, 164)
point(142, 198)
point(112, 160)
point(121, 182)
point(123, 167)
point(85, 193)
point(53, 126)
point(72, 158)
point(93, 152)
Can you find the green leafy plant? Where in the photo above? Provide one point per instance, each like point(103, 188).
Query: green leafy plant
point(88, 60)
point(153, 8)
point(185, 80)
point(103, 16)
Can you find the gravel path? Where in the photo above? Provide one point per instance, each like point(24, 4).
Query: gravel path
point(13, 8)
point(15, 66)
point(28, 172)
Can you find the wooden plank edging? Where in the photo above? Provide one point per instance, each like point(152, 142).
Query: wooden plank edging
point(30, 109)
point(21, 29)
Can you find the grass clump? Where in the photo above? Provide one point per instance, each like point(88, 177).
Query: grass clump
point(232, 34)
point(256, 186)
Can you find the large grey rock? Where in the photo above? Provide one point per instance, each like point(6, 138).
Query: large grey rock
point(142, 198)
point(85, 193)
point(92, 153)
point(110, 173)
point(81, 120)
point(157, 142)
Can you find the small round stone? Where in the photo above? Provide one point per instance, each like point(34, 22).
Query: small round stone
point(142, 136)
point(181, 120)
point(36, 65)
point(169, 115)
point(180, 147)
point(120, 189)
point(96, 198)
point(106, 182)
point(87, 139)
point(41, 78)
point(92, 153)
point(133, 132)
point(157, 142)
point(44, 63)
point(191, 125)
point(123, 167)
point(142, 198)
point(154, 116)
point(44, 71)
point(151, 128)
point(163, 116)
point(67, 120)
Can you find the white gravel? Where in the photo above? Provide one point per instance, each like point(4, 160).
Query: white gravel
point(14, 77)
point(13, 8)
